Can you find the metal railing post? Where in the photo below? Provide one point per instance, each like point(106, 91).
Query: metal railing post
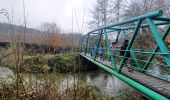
point(87, 43)
point(156, 49)
point(118, 33)
point(110, 50)
point(130, 44)
point(159, 40)
point(101, 33)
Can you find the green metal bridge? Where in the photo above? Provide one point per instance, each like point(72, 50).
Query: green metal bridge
point(148, 68)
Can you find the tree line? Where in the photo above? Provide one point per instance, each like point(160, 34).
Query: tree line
point(105, 12)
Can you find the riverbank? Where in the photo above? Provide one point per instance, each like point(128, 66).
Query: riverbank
point(61, 76)
point(66, 62)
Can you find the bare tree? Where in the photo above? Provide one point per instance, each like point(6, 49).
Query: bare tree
point(133, 9)
point(139, 7)
point(51, 34)
point(100, 13)
point(116, 9)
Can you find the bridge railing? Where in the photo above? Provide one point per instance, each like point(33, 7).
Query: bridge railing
point(134, 62)
point(94, 39)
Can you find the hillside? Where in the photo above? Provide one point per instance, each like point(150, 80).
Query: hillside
point(4, 27)
point(36, 36)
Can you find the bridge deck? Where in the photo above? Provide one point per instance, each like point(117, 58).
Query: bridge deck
point(160, 86)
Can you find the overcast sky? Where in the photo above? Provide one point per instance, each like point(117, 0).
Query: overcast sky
point(39, 11)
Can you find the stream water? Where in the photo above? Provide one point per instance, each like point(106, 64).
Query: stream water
point(6, 75)
point(100, 81)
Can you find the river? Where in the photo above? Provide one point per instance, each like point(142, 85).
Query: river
point(102, 82)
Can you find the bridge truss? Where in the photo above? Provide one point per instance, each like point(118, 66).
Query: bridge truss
point(154, 55)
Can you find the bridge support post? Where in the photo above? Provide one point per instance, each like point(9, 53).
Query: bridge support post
point(130, 44)
point(156, 49)
point(118, 33)
point(159, 41)
point(131, 50)
point(101, 33)
point(134, 57)
point(87, 43)
point(110, 50)
point(125, 35)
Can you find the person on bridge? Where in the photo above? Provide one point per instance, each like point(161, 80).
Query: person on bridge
point(123, 50)
point(91, 51)
point(122, 53)
point(112, 47)
point(94, 50)
point(102, 53)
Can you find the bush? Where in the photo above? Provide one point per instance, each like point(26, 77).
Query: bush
point(33, 64)
point(63, 62)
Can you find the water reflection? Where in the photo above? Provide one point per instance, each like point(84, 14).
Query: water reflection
point(6, 75)
point(105, 83)
point(68, 82)
point(102, 82)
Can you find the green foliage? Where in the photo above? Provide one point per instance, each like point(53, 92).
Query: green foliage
point(63, 62)
point(32, 64)
point(59, 63)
